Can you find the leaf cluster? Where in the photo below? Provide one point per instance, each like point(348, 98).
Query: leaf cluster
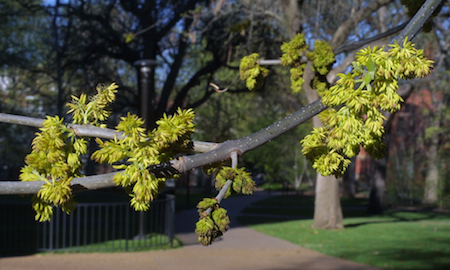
point(96, 110)
point(212, 225)
point(55, 159)
point(251, 72)
point(292, 53)
point(139, 149)
point(214, 220)
point(357, 101)
point(322, 59)
point(56, 152)
point(242, 181)
point(55, 156)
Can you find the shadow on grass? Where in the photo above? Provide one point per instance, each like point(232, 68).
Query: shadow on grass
point(394, 240)
point(297, 207)
point(397, 216)
point(404, 258)
point(294, 207)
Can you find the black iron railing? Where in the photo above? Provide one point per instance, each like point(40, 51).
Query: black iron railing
point(96, 227)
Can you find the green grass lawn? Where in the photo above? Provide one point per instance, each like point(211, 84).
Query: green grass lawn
point(395, 240)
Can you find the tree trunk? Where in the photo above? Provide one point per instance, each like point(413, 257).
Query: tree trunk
point(349, 180)
point(432, 174)
point(378, 167)
point(327, 206)
point(378, 186)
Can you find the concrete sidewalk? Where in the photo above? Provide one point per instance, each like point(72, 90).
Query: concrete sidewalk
point(240, 248)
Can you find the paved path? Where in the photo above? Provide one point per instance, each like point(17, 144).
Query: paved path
point(240, 248)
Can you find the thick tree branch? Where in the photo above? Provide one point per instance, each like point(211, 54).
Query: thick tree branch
point(419, 20)
point(184, 163)
point(179, 9)
point(249, 142)
point(174, 72)
point(356, 45)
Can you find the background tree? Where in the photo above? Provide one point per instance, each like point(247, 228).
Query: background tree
point(339, 29)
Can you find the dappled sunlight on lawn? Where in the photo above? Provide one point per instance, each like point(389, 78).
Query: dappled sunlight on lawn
point(394, 240)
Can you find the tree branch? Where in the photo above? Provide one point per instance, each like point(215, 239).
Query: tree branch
point(419, 20)
point(346, 47)
point(356, 45)
point(184, 163)
point(174, 72)
point(90, 131)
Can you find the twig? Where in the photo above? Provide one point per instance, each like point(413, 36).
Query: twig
point(347, 47)
point(224, 189)
point(91, 131)
point(217, 88)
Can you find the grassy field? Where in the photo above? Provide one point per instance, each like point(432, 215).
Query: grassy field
point(395, 240)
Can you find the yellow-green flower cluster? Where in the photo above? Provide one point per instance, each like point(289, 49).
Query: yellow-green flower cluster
point(210, 226)
point(213, 224)
point(96, 110)
point(251, 72)
point(322, 57)
point(360, 97)
point(293, 50)
point(140, 149)
point(55, 159)
point(292, 53)
point(242, 181)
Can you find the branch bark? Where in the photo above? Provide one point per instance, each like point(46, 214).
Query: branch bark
point(184, 163)
point(419, 19)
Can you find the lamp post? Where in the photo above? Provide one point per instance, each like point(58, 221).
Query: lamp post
point(146, 90)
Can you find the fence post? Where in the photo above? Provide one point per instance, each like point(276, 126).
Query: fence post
point(127, 227)
point(50, 237)
point(169, 216)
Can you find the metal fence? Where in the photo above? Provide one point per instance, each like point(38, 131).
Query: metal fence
point(106, 226)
